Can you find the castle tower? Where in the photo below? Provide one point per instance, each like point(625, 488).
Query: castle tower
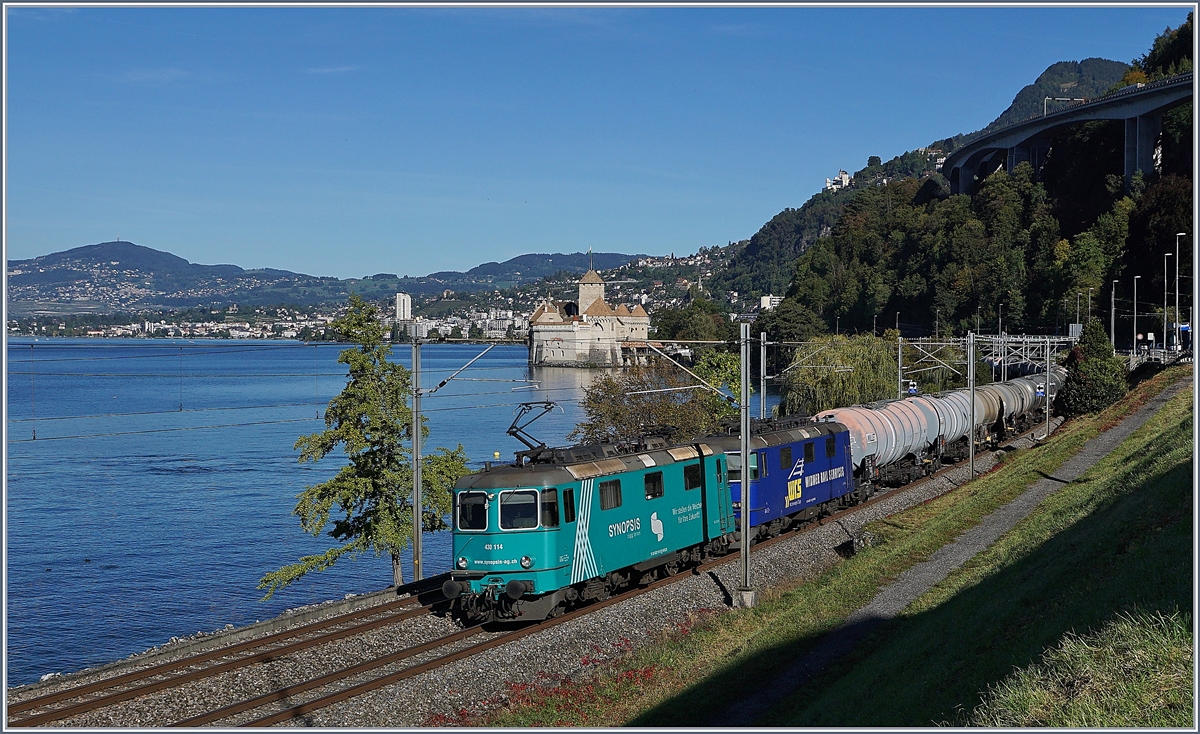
point(591, 289)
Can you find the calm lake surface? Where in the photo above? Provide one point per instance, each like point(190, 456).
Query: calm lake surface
point(129, 521)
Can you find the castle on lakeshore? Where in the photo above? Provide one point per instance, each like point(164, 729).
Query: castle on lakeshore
point(588, 332)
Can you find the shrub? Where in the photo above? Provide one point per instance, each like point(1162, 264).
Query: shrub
point(1095, 378)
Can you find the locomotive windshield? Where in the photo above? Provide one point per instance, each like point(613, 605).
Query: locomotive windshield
point(735, 467)
point(472, 511)
point(518, 510)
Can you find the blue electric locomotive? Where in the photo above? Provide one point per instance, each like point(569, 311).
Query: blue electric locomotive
point(798, 470)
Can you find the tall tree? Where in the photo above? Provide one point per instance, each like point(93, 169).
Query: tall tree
point(1095, 378)
point(850, 370)
point(653, 399)
point(790, 321)
point(701, 320)
point(368, 504)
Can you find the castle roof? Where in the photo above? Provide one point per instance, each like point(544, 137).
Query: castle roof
point(547, 307)
point(591, 277)
point(620, 310)
point(639, 311)
point(599, 308)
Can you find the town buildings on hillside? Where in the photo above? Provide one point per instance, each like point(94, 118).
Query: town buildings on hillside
point(840, 181)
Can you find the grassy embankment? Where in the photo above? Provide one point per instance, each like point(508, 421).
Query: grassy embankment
point(1089, 598)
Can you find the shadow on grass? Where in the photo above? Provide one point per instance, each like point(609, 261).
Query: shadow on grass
point(1134, 549)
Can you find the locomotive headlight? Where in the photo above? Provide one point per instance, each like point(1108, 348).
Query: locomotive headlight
point(462, 563)
point(526, 562)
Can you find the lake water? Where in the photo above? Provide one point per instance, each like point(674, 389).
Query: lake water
point(129, 521)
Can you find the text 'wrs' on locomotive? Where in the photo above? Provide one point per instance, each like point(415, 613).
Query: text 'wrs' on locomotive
point(564, 526)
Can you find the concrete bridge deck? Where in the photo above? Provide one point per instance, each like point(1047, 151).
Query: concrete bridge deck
point(1140, 106)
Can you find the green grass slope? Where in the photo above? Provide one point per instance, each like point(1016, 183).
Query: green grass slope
point(1117, 542)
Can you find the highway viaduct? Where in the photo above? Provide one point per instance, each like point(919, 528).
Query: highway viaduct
point(1141, 107)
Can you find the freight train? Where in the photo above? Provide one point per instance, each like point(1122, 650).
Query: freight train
point(564, 526)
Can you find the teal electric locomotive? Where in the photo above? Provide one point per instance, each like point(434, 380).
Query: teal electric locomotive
point(567, 525)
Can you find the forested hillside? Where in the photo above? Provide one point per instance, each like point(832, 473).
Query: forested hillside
point(1075, 79)
point(1022, 247)
point(1077, 190)
point(766, 263)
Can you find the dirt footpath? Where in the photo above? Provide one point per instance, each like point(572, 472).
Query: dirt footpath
point(920, 578)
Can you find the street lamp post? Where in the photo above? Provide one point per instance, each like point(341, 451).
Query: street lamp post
point(999, 319)
point(1090, 303)
point(1134, 348)
point(897, 322)
point(1178, 339)
point(873, 318)
point(1164, 334)
point(936, 322)
point(1077, 295)
point(1112, 316)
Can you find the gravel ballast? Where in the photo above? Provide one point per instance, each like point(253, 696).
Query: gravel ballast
point(474, 684)
point(577, 647)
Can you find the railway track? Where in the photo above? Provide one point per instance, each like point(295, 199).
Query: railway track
point(495, 639)
point(283, 704)
point(422, 598)
point(289, 712)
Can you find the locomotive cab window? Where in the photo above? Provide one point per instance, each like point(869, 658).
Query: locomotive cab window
point(519, 509)
point(610, 494)
point(472, 511)
point(809, 452)
point(550, 508)
point(654, 485)
point(569, 505)
point(720, 472)
point(785, 458)
point(692, 476)
point(830, 448)
point(735, 467)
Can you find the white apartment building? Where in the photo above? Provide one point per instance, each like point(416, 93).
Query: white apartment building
point(403, 307)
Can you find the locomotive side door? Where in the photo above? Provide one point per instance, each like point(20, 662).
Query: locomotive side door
point(724, 500)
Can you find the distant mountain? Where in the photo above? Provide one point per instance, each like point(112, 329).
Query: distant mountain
point(524, 268)
point(122, 276)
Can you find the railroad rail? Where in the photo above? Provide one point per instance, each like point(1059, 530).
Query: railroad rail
point(126, 686)
point(363, 687)
point(212, 662)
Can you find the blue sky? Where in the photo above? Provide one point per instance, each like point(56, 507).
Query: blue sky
point(353, 141)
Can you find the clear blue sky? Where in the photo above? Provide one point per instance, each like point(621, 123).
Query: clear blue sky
point(353, 141)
